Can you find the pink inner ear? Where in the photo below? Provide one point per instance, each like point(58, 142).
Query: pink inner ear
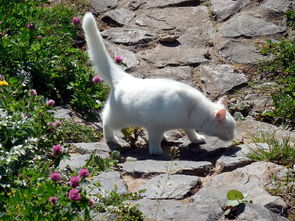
point(220, 115)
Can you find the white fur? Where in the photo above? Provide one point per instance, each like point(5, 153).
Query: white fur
point(157, 105)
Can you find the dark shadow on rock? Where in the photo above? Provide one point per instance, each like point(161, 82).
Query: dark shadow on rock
point(170, 44)
point(186, 151)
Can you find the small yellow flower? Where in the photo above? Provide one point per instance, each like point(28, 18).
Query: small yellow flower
point(4, 83)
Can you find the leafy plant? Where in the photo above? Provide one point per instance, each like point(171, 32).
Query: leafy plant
point(98, 164)
point(281, 67)
point(41, 43)
point(278, 152)
point(235, 199)
point(132, 134)
point(71, 132)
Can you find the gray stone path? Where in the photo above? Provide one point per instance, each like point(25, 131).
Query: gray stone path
point(209, 44)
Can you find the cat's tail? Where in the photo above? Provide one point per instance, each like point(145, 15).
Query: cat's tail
point(103, 63)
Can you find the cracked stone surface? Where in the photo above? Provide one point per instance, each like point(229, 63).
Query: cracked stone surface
point(223, 9)
point(160, 56)
point(216, 80)
point(109, 181)
point(249, 26)
point(128, 36)
point(118, 17)
point(103, 5)
point(144, 169)
point(170, 186)
point(240, 52)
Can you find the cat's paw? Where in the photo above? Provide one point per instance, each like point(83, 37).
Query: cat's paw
point(199, 139)
point(156, 151)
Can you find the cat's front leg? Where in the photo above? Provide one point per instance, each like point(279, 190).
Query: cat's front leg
point(108, 134)
point(195, 137)
point(155, 138)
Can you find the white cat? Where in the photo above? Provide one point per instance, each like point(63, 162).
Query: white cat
point(157, 105)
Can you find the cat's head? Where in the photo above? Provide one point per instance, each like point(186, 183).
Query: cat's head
point(223, 124)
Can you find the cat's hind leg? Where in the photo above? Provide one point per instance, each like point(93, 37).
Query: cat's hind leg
point(195, 137)
point(155, 138)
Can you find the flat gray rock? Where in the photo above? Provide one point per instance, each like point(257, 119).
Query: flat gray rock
point(109, 181)
point(164, 19)
point(90, 147)
point(176, 211)
point(76, 161)
point(248, 129)
point(161, 56)
point(251, 212)
point(182, 74)
point(279, 6)
point(249, 26)
point(218, 79)
point(161, 209)
point(197, 36)
point(233, 158)
point(240, 52)
point(250, 179)
point(129, 57)
point(128, 36)
point(223, 9)
point(134, 4)
point(62, 113)
point(170, 186)
point(103, 5)
point(148, 168)
point(118, 17)
point(170, 3)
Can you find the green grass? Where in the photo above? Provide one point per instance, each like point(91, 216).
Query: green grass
point(279, 152)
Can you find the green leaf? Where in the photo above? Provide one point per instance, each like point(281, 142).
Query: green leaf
point(234, 195)
point(233, 203)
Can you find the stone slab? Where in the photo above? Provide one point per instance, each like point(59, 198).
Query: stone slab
point(148, 168)
point(109, 181)
point(223, 9)
point(170, 186)
point(216, 80)
point(128, 36)
point(118, 17)
point(240, 52)
point(249, 26)
point(103, 5)
point(161, 56)
point(250, 179)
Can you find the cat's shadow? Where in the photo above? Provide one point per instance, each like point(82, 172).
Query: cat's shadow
point(177, 150)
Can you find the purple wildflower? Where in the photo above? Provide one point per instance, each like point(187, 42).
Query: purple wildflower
point(1, 77)
point(53, 199)
point(118, 59)
point(57, 150)
point(74, 195)
point(91, 202)
point(56, 123)
point(39, 36)
point(76, 20)
point(55, 176)
point(33, 92)
point(30, 26)
point(74, 181)
point(50, 103)
point(83, 173)
point(96, 79)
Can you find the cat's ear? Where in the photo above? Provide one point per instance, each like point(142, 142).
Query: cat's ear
point(220, 115)
point(223, 100)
